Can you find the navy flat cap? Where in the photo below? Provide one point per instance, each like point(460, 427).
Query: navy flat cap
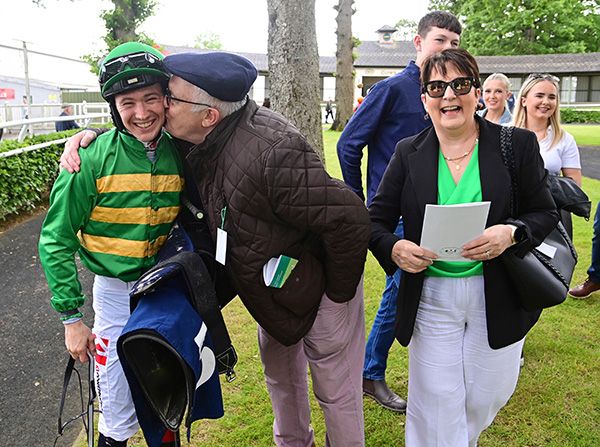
point(225, 76)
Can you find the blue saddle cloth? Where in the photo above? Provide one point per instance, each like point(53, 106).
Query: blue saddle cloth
point(166, 353)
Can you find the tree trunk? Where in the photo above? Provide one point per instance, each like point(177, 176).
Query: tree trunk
point(294, 67)
point(344, 73)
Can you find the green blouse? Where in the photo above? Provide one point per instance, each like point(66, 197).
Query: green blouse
point(467, 190)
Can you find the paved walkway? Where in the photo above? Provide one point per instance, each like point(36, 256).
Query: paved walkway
point(590, 161)
point(33, 356)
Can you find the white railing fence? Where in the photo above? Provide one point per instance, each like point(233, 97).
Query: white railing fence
point(13, 118)
point(35, 147)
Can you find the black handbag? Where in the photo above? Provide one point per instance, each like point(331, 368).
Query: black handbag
point(569, 196)
point(540, 281)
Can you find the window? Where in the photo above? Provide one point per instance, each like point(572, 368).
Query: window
point(568, 86)
point(595, 89)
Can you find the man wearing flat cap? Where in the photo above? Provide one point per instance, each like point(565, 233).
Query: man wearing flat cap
point(267, 198)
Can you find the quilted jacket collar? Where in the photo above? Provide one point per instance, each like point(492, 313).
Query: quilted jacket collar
point(215, 140)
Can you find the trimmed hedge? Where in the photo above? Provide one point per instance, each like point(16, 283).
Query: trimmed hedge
point(574, 116)
point(26, 177)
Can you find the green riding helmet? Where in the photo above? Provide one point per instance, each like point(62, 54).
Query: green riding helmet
point(130, 66)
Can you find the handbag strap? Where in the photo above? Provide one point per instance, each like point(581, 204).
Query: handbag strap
point(508, 157)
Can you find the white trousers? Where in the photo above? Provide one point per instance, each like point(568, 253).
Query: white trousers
point(457, 383)
point(111, 309)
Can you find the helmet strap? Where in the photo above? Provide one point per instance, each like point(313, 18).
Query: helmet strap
point(114, 113)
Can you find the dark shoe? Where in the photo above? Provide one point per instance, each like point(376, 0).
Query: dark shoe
point(584, 290)
point(378, 390)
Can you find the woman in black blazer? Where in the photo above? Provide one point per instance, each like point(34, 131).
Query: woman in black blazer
point(463, 321)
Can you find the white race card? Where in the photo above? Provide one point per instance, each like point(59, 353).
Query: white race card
point(546, 249)
point(221, 246)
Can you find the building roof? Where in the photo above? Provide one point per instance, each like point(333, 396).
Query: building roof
point(398, 53)
point(373, 54)
point(32, 82)
point(541, 63)
point(260, 61)
point(395, 54)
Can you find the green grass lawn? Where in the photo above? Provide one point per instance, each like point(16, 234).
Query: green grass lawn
point(585, 134)
point(557, 401)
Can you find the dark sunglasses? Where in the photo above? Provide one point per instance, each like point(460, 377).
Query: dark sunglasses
point(544, 76)
point(136, 60)
point(171, 98)
point(460, 86)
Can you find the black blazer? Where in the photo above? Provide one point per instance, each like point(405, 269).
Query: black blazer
point(411, 181)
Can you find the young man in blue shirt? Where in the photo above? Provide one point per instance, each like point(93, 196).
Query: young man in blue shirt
point(390, 112)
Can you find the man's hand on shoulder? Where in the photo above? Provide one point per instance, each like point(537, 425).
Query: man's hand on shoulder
point(69, 159)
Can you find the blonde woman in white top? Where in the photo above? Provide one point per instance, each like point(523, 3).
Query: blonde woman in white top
point(537, 109)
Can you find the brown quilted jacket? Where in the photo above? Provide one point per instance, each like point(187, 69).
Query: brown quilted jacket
point(258, 171)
